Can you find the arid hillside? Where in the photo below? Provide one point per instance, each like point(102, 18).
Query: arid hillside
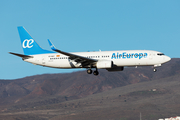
point(111, 95)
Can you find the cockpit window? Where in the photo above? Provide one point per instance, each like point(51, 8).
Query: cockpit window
point(160, 54)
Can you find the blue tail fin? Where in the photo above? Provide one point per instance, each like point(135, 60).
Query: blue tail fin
point(29, 45)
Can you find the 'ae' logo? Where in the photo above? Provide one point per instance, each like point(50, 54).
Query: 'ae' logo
point(27, 43)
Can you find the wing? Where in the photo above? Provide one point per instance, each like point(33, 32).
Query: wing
point(77, 58)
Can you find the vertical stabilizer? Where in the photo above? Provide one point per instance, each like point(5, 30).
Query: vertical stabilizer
point(29, 45)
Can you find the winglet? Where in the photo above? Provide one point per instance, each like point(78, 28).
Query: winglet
point(51, 45)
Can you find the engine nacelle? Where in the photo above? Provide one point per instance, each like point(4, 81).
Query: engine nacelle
point(104, 64)
point(115, 69)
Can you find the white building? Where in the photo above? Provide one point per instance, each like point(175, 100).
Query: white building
point(171, 118)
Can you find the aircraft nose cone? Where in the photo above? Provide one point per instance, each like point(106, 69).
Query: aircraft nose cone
point(168, 58)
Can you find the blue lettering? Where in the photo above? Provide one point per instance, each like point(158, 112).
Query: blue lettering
point(113, 56)
point(136, 55)
point(128, 55)
point(125, 55)
point(140, 55)
point(120, 55)
point(132, 55)
point(145, 55)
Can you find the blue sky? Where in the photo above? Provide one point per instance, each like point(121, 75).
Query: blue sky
point(86, 25)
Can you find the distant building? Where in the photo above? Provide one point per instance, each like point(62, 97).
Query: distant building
point(154, 90)
point(171, 118)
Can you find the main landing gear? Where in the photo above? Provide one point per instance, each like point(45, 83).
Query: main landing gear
point(89, 71)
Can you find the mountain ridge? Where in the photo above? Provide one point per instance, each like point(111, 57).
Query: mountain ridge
point(48, 90)
point(79, 82)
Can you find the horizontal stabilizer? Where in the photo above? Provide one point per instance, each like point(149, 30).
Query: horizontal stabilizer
point(21, 55)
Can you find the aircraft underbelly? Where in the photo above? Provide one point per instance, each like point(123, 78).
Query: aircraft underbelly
point(63, 64)
point(133, 62)
point(59, 64)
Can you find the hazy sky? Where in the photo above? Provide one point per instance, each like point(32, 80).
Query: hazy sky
point(86, 25)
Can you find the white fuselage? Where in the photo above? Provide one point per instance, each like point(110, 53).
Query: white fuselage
point(119, 58)
point(109, 60)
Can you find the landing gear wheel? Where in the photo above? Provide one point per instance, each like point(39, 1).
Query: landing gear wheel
point(96, 73)
point(89, 71)
point(155, 70)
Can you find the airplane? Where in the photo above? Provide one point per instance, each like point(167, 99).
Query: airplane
point(109, 60)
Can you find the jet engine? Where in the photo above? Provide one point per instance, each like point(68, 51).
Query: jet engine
point(104, 64)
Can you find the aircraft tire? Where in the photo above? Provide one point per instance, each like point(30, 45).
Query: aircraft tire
point(89, 71)
point(96, 73)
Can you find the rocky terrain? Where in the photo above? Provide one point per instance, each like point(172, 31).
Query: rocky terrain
point(108, 96)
